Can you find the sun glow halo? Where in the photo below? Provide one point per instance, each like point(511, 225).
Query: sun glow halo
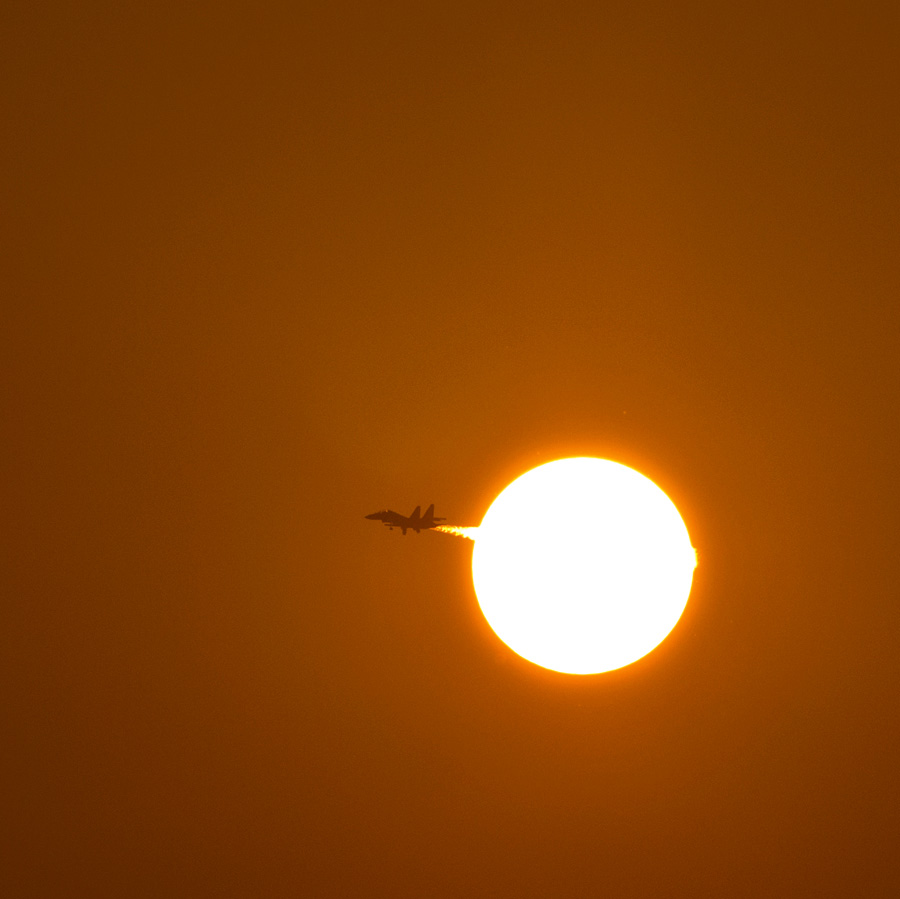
point(582, 565)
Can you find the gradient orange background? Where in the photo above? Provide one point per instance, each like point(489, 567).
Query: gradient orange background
point(269, 270)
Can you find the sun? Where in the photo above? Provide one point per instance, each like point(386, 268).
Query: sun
point(582, 565)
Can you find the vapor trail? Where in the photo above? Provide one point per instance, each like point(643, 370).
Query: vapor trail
point(468, 533)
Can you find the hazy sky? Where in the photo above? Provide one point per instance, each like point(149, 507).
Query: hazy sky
point(269, 268)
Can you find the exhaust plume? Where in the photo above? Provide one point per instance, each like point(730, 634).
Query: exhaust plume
point(468, 533)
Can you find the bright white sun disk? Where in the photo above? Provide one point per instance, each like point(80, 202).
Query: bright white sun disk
point(582, 565)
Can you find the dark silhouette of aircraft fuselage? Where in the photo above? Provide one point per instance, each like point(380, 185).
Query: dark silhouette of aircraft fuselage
point(415, 522)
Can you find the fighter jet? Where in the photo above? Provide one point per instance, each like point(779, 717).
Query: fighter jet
point(415, 521)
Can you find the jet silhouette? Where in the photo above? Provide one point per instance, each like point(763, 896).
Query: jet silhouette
point(414, 522)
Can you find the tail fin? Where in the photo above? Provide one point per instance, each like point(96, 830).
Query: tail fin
point(429, 514)
point(415, 514)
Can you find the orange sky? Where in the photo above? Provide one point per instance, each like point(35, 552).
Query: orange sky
point(268, 271)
